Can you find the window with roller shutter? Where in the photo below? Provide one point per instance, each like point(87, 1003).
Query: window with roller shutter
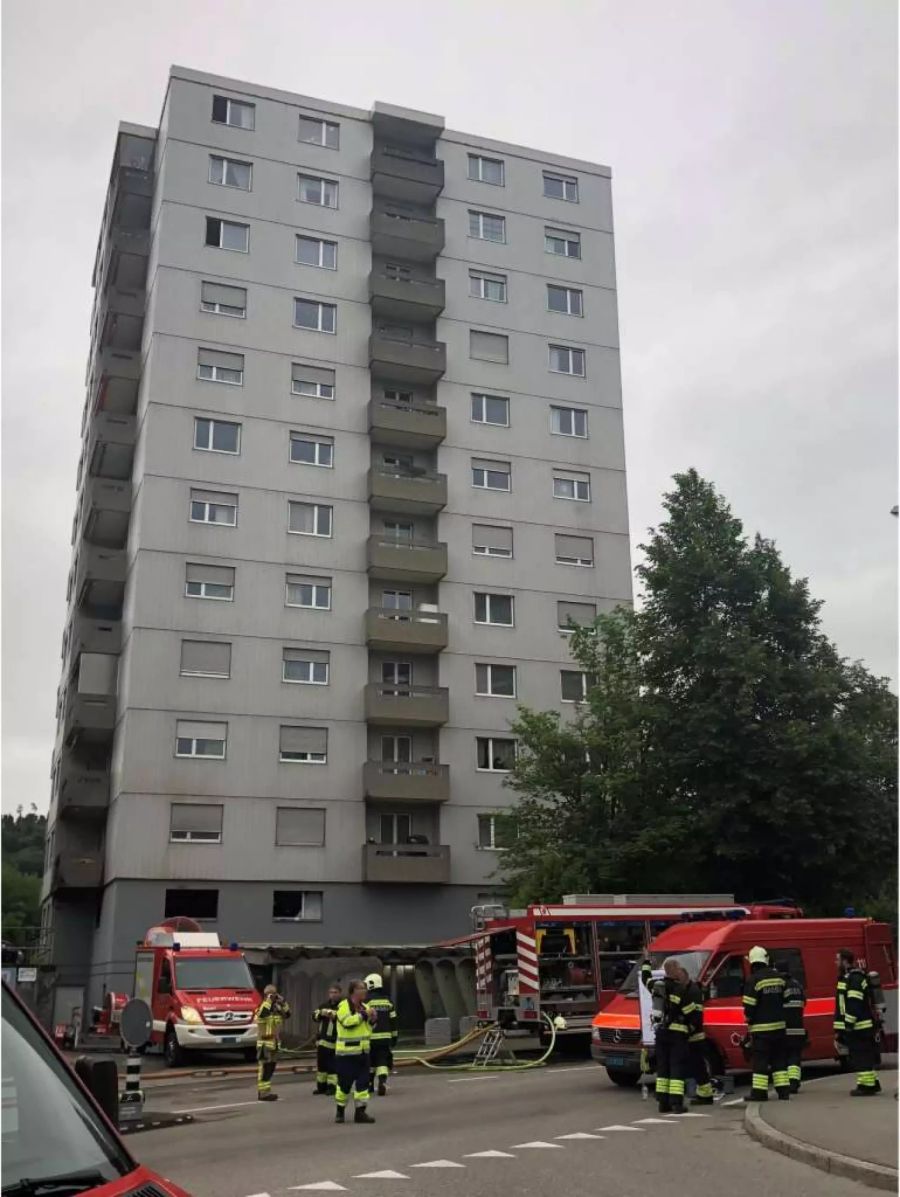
point(579, 613)
point(573, 550)
point(213, 507)
point(206, 658)
point(203, 740)
point(491, 541)
point(308, 591)
point(303, 745)
point(312, 381)
point(195, 823)
point(305, 666)
point(222, 300)
point(488, 347)
point(299, 827)
point(213, 365)
point(209, 581)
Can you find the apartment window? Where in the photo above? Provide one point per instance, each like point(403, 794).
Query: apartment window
point(314, 251)
point(490, 409)
point(300, 826)
point(200, 904)
point(401, 398)
point(573, 550)
point(491, 475)
point(313, 190)
point(487, 227)
point(567, 300)
point(215, 366)
point(209, 581)
point(564, 187)
point(568, 421)
point(311, 314)
point(579, 613)
point(201, 740)
point(570, 484)
point(487, 286)
point(193, 823)
point(296, 906)
point(236, 113)
point(312, 381)
point(227, 234)
point(398, 532)
point(574, 685)
point(309, 519)
point(495, 755)
point(486, 170)
point(303, 745)
point(396, 600)
point(306, 666)
point(319, 132)
point(495, 681)
point(565, 360)
point(205, 658)
point(213, 507)
point(217, 436)
point(230, 172)
point(307, 449)
point(495, 609)
point(562, 242)
point(488, 347)
point(491, 541)
point(304, 591)
point(493, 832)
point(221, 300)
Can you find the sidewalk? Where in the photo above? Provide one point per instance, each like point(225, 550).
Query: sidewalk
point(825, 1127)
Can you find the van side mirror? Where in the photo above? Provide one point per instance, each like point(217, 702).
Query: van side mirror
point(100, 1077)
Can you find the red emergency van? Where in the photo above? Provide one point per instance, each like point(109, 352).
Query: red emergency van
point(715, 954)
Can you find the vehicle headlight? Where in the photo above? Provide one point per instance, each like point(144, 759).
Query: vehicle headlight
point(189, 1014)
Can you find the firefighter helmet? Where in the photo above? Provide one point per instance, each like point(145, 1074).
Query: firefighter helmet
point(758, 955)
point(373, 981)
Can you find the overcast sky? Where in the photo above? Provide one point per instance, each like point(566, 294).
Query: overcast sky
point(754, 157)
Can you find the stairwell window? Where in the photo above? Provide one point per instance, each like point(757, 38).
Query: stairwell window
point(495, 681)
point(485, 226)
point(305, 666)
point(491, 475)
point(215, 366)
point(314, 251)
point(307, 449)
point(230, 172)
point(308, 591)
point(566, 360)
point(213, 507)
point(494, 609)
point(221, 300)
point(227, 234)
point(486, 170)
point(216, 436)
point(318, 132)
point(316, 316)
point(204, 741)
point(236, 113)
point(313, 190)
point(495, 755)
point(571, 484)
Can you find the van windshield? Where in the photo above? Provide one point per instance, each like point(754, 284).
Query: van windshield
point(51, 1132)
point(212, 972)
point(692, 961)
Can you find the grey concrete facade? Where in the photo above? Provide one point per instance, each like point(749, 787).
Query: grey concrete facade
point(396, 620)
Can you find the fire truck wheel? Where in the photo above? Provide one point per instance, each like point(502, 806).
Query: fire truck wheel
point(628, 1080)
point(172, 1052)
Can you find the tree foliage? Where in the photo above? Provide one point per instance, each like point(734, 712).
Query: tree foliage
point(725, 747)
point(23, 863)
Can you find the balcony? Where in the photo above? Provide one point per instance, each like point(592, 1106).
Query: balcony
point(404, 359)
point(406, 706)
point(110, 445)
point(77, 870)
point(412, 175)
point(91, 716)
point(406, 298)
point(99, 580)
point(406, 560)
point(105, 512)
point(414, 425)
point(88, 635)
point(406, 864)
point(114, 381)
point(83, 792)
point(394, 489)
point(119, 318)
point(406, 631)
point(409, 236)
point(406, 781)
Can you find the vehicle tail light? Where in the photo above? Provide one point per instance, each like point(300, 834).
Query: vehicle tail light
point(529, 1014)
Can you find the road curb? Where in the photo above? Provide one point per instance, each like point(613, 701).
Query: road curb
point(876, 1176)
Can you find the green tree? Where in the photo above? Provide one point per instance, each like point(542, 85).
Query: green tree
point(23, 840)
point(23, 865)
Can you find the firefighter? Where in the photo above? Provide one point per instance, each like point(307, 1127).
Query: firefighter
point(854, 1024)
point(672, 1032)
point(270, 1016)
point(698, 1059)
point(384, 1033)
point(795, 1032)
point(326, 1033)
point(764, 1011)
point(351, 1052)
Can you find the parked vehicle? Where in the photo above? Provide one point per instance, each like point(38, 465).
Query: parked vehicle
point(56, 1136)
point(714, 953)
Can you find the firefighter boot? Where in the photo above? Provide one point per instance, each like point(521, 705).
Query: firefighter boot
point(701, 1101)
point(795, 1086)
point(269, 1096)
point(339, 1114)
point(320, 1090)
point(677, 1106)
point(361, 1114)
point(382, 1086)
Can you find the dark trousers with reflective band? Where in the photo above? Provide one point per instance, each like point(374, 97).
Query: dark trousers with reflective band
point(266, 1059)
point(325, 1074)
point(795, 1046)
point(671, 1068)
point(381, 1058)
point(769, 1055)
point(352, 1072)
point(698, 1067)
point(863, 1057)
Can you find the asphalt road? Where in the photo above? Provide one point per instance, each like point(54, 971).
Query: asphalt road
point(546, 1131)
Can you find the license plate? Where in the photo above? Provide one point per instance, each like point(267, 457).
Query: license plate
point(230, 1039)
point(616, 1061)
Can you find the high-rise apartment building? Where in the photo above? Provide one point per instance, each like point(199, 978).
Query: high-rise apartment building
point(352, 458)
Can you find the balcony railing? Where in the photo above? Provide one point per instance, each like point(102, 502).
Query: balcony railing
point(406, 298)
point(394, 489)
point(415, 425)
point(410, 705)
point(406, 560)
point(406, 781)
point(406, 631)
point(397, 233)
point(407, 359)
point(406, 864)
point(411, 175)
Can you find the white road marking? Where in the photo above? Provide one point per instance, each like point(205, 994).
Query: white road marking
point(323, 1186)
point(578, 1135)
point(538, 1143)
point(738, 1101)
point(386, 1175)
point(658, 1121)
point(693, 1115)
point(489, 1155)
point(259, 1195)
point(463, 1080)
point(617, 1126)
point(204, 1109)
point(439, 1164)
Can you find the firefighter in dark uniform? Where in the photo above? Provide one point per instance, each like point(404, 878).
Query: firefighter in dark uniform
point(326, 1033)
point(764, 1011)
point(384, 1033)
point(698, 1058)
point(795, 1032)
point(672, 1031)
point(854, 1023)
point(270, 1016)
point(351, 1052)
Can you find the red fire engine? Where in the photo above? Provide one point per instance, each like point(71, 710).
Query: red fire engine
point(568, 959)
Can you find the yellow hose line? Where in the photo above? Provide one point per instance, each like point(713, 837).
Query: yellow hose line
point(518, 1066)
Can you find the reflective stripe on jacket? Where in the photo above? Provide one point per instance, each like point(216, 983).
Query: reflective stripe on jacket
point(853, 1003)
point(326, 1026)
point(270, 1016)
point(675, 1016)
point(386, 1024)
point(763, 1000)
point(794, 1001)
point(353, 1029)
